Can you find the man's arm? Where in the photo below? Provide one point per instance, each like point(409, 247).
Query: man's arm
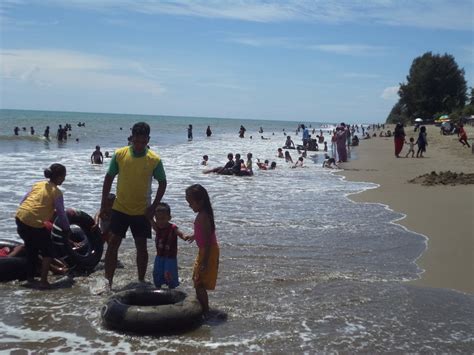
point(159, 195)
point(106, 187)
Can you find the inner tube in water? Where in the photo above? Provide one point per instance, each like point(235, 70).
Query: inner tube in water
point(82, 248)
point(152, 311)
point(12, 267)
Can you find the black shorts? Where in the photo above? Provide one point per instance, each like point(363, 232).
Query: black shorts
point(36, 239)
point(139, 225)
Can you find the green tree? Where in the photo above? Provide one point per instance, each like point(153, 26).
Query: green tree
point(435, 84)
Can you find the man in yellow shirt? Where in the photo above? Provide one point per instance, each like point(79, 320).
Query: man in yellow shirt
point(135, 166)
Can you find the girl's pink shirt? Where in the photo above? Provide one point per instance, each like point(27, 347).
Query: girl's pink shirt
point(199, 236)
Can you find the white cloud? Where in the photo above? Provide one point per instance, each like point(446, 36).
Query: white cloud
point(390, 93)
point(360, 75)
point(68, 69)
point(438, 14)
point(349, 49)
point(297, 43)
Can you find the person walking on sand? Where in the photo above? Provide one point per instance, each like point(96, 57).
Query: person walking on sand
point(422, 142)
point(135, 166)
point(398, 138)
point(412, 148)
point(463, 136)
point(37, 207)
point(341, 143)
point(207, 261)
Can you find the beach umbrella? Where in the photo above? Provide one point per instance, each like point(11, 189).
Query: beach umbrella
point(418, 119)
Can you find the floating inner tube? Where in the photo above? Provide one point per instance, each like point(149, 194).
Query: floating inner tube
point(81, 249)
point(12, 267)
point(152, 311)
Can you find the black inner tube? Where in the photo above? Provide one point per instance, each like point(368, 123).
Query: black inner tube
point(152, 298)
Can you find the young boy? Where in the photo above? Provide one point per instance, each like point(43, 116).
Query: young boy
point(165, 269)
point(412, 148)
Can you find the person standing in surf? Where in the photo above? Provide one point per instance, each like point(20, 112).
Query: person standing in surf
point(135, 166)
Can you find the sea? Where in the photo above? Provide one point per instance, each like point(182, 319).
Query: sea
point(302, 269)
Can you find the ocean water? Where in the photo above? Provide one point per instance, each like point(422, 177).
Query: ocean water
point(302, 269)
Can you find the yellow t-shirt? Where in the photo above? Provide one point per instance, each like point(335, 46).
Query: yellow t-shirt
point(38, 206)
point(134, 179)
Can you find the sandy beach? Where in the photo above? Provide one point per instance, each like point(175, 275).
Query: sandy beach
point(443, 213)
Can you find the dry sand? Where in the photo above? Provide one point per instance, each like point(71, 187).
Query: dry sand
point(443, 213)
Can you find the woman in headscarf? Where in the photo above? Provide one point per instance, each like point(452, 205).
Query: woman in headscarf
point(398, 138)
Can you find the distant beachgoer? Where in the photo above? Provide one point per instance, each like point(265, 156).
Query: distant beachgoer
point(289, 143)
point(208, 131)
point(39, 206)
point(341, 143)
point(288, 158)
point(260, 130)
point(299, 163)
point(107, 154)
point(306, 135)
point(207, 262)
point(237, 166)
point(190, 132)
point(264, 138)
point(224, 170)
point(325, 146)
point(242, 131)
point(329, 162)
point(97, 157)
point(280, 153)
point(422, 142)
point(248, 164)
point(273, 165)
point(32, 131)
point(398, 138)
point(463, 136)
point(16, 130)
point(262, 166)
point(46, 133)
point(412, 148)
point(165, 267)
point(205, 159)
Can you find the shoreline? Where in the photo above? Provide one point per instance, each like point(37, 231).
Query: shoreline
point(441, 213)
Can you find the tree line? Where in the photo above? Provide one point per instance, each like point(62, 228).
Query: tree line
point(435, 86)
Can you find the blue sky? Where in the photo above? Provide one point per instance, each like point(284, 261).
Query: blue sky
point(301, 60)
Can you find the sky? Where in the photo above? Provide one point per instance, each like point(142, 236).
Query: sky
point(300, 60)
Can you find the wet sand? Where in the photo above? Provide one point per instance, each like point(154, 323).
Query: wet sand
point(441, 209)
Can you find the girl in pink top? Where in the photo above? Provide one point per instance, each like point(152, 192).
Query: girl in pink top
point(207, 262)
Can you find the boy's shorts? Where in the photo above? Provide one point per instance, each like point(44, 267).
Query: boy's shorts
point(139, 225)
point(162, 265)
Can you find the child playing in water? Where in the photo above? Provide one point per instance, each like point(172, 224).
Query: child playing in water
point(165, 269)
point(205, 159)
point(207, 262)
point(288, 158)
point(280, 153)
point(299, 163)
